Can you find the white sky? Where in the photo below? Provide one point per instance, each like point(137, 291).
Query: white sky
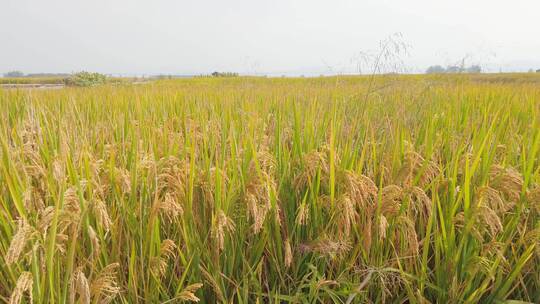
point(249, 36)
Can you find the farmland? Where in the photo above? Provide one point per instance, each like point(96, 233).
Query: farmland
point(348, 189)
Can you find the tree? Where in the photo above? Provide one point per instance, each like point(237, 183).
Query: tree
point(12, 74)
point(454, 69)
point(474, 69)
point(538, 71)
point(435, 69)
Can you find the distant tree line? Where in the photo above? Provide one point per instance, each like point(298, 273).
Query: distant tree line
point(18, 74)
point(224, 74)
point(14, 74)
point(453, 69)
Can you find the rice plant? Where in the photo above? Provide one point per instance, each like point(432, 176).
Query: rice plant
point(415, 189)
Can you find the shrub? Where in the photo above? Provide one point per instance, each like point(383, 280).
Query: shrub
point(85, 79)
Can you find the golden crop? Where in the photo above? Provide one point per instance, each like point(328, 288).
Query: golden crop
point(250, 190)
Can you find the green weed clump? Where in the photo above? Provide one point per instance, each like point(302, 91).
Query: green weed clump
point(410, 189)
point(85, 79)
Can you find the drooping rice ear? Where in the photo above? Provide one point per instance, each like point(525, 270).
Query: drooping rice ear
point(332, 247)
point(420, 204)
point(79, 286)
point(347, 214)
point(533, 197)
point(288, 253)
point(24, 284)
point(259, 191)
point(360, 189)
point(104, 287)
point(95, 241)
point(392, 195)
point(160, 263)
point(383, 227)
point(367, 234)
point(508, 181)
point(220, 226)
point(188, 293)
point(19, 241)
point(102, 216)
point(312, 163)
point(302, 215)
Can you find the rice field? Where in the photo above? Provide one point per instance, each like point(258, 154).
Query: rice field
point(385, 189)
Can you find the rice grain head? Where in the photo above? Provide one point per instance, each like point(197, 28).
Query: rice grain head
point(95, 241)
point(104, 288)
point(508, 181)
point(18, 242)
point(79, 286)
point(102, 216)
point(288, 253)
point(302, 215)
point(24, 284)
point(383, 226)
point(222, 225)
point(188, 293)
point(392, 195)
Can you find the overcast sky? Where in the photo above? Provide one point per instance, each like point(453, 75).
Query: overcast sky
point(266, 37)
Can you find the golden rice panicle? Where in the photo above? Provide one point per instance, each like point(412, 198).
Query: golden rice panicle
point(508, 181)
point(533, 197)
point(493, 199)
point(490, 220)
point(104, 287)
point(123, 178)
point(168, 207)
point(221, 225)
point(18, 242)
point(101, 214)
point(391, 198)
point(207, 183)
point(330, 247)
point(360, 189)
point(173, 176)
point(258, 204)
point(420, 204)
point(95, 241)
point(367, 234)
point(71, 211)
point(486, 222)
point(33, 200)
point(288, 253)
point(188, 293)
point(213, 283)
point(167, 249)
point(406, 235)
point(258, 195)
point(24, 284)
point(383, 227)
point(79, 286)
point(266, 161)
point(347, 215)
point(58, 170)
point(302, 214)
point(312, 163)
point(416, 166)
point(160, 263)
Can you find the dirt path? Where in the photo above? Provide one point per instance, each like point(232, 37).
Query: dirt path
point(38, 86)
